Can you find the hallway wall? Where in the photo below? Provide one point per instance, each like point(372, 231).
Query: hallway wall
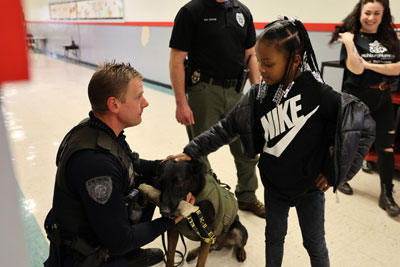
point(142, 38)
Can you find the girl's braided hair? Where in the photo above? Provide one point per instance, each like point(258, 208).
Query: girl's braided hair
point(291, 35)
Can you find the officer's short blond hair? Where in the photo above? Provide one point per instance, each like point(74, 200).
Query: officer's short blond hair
point(110, 80)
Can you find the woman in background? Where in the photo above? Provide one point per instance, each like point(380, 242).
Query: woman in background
point(370, 53)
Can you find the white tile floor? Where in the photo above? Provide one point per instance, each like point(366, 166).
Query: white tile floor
point(38, 113)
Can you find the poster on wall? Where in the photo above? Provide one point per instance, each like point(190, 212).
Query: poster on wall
point(87, 9)
point(100, 9)
point(66, 10)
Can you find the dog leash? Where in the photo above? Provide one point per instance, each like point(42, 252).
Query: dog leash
point(176, 251)
point(210, 236)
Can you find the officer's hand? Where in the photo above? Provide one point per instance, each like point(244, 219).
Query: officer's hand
point(190, 199)
point(179, 157)
point(322, 183)
point(184, 114)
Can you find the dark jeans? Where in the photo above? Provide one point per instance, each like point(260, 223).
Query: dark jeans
point(310, 212)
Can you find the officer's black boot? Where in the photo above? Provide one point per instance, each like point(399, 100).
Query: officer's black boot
point(386, 200)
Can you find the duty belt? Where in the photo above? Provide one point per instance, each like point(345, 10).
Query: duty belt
point(226, 83)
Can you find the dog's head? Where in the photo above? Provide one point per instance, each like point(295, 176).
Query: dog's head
point(176, 180)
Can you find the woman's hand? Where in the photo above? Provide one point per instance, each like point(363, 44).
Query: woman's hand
point(354, 62)
point(346, 37)
point(322, 183)
point(179, 157)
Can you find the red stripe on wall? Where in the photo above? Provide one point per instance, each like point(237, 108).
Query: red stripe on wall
point(123, 23)
point(319, 27)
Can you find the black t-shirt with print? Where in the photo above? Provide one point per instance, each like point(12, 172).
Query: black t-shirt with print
point(215, 36)
point(297, 136)
point(371, 50)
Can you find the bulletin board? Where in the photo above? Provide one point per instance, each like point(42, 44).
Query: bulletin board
point(64, 10)
point(87, 9)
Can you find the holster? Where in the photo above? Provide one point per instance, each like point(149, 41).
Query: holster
point(54, 236)
point(244, 75)
point(242, 79)
point(87, 255)
point(188, 75)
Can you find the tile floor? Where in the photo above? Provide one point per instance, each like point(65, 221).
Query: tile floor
point(38, 114)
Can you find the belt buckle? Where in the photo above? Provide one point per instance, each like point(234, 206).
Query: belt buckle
point(383, 86)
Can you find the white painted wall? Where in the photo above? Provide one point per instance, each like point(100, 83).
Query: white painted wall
point(310, 11)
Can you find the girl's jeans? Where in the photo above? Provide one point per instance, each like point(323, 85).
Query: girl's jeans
point(310, 212)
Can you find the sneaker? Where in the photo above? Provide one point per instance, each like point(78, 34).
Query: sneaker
point(144, 257)
point(257, 207)
point(346, 189)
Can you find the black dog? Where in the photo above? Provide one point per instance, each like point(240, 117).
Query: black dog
point(176, 180)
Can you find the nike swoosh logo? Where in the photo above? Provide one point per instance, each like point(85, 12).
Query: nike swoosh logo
point(279, 147)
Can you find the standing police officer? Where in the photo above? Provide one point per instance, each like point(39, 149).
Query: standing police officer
point(218, 38)
point(96, 219)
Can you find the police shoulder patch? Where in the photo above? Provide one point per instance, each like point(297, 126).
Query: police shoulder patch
point(100, 188)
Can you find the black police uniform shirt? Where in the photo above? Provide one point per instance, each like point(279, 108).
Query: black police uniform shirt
point(297, 135)
point(215, 35)
point(109, 221)
point(372, 51)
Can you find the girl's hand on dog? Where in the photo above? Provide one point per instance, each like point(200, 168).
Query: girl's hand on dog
point(322, 183)
point(190, 199)
point(179, 157)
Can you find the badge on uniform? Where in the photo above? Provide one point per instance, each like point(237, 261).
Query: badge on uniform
point(240, 19)
point(100, 188)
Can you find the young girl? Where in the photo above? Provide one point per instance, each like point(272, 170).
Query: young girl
point(292, 119)
point(371, 55)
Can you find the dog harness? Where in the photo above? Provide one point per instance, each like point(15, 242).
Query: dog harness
point(225, 207)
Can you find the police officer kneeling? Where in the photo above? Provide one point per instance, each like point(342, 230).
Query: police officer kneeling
point(97, 218)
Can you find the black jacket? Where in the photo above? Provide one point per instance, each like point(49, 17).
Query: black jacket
point(354, 134)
